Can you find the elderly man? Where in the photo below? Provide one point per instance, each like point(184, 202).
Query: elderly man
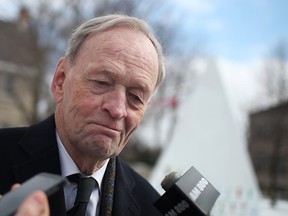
point(102, 87)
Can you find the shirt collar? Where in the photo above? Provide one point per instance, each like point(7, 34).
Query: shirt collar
point(68, 166)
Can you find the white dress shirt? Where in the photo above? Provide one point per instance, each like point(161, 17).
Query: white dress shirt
point(68, 167)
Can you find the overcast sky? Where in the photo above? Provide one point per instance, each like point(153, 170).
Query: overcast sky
point(240, 34)
point(237, 30)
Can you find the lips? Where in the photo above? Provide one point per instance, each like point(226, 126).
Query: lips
point(111, 128)
point(108, 128)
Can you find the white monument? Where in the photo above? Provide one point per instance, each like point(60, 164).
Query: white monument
point(209, 138)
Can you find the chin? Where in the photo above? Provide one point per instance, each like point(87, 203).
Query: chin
point(106, 150)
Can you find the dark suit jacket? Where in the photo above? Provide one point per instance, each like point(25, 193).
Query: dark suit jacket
point(29, 150)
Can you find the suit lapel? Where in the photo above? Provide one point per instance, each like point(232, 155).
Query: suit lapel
point(40, 145)
point(124, 203)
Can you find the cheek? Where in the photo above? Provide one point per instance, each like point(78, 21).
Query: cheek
point(131, 124)
point(75, 92)
point(87, 101)
point(83, 101)
point(133, 121)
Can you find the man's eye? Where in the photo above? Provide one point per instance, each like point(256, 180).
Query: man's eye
point(136, 98)
point(102, 82)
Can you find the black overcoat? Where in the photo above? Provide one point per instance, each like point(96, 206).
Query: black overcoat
point(26, 151)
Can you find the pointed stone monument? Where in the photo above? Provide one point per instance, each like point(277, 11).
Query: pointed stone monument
point(208, 137)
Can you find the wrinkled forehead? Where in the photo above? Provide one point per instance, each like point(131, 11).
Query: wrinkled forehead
point(119, 47)
point(114, 35)
point(121, 42)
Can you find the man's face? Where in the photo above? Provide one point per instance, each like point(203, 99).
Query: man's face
point(102, 97)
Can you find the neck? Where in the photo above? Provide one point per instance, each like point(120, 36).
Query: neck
point(86, 166)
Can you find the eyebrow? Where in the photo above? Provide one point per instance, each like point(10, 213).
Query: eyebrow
point(140, 85)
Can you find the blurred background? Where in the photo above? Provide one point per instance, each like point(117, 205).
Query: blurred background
point(223, 107)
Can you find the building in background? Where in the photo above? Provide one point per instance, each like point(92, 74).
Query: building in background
point(17, 69)
point(268, 147)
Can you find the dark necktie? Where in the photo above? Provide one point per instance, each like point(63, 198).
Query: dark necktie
point(85, 188)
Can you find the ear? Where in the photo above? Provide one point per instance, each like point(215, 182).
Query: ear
point(58, 80)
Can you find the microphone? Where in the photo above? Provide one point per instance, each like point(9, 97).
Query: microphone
point(187, 195)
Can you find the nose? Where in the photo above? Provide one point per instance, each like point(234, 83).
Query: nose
point(115, 104)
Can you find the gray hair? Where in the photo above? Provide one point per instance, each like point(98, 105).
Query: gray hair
point(100, 24)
